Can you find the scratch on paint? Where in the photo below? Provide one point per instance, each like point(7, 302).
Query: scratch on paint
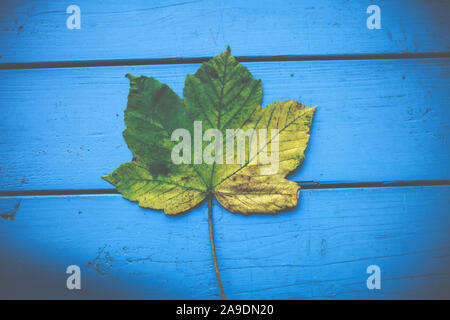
point(212, 36)
point(102, 264)
point(10, 215)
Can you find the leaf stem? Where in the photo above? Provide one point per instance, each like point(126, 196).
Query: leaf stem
point(213, 247)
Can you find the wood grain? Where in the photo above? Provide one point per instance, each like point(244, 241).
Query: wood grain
point(321, 250)
point(376, 120)
point(35, 31)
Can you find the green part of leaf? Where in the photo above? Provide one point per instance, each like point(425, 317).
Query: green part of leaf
point(223, 95)
point(174, 193)
point(153, 112)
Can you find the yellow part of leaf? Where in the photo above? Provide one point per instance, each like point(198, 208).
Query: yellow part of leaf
point(242, 188)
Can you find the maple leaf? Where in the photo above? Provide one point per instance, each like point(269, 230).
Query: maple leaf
point(224, 97)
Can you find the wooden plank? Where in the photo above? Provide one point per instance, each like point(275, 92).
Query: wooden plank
point(35, 31)
point(321, 250)
point(375, 121)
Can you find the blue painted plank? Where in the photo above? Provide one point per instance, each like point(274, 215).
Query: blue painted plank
point(320, 250)
point(375, 121)
point(35, 31)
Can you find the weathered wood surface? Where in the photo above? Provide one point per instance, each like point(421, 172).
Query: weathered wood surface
point(35, 31)
point(375, 121)
point(321, 250)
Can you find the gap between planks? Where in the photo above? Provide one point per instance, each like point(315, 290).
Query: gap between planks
point(160, 61)
point(305, 185)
